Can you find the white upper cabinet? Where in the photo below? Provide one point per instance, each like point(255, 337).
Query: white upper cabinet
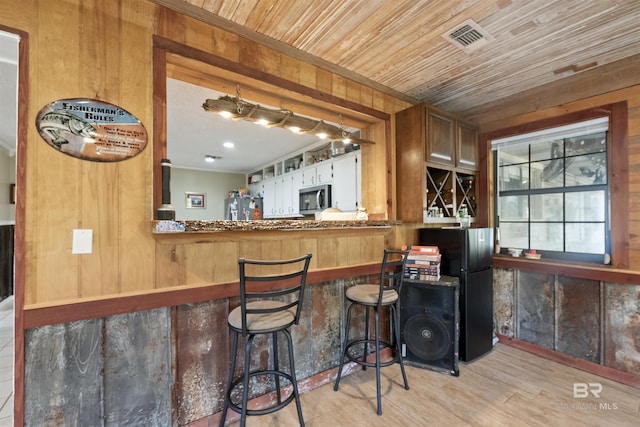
point(346, 182)
point(279, 183)
point(318, 173)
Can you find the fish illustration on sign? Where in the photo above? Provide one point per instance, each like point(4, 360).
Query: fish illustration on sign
point(91, 130)
point(57, 123)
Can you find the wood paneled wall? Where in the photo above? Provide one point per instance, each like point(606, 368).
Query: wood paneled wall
point(85, 49)
point(104, 50)
point(183, 261)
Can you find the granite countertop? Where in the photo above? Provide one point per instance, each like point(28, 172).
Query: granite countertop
point(261, 225)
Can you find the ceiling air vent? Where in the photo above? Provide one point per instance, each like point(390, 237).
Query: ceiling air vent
point(468, 36)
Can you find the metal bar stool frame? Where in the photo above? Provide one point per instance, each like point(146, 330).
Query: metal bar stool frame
point(386, 293)
point(266, 312)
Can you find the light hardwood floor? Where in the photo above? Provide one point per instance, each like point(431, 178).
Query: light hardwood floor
point(507, 387)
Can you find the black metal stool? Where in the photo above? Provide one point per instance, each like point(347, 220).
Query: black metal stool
point(375, 296)
point(272, 305)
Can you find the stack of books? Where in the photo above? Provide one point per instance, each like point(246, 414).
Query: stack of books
point(423, 263)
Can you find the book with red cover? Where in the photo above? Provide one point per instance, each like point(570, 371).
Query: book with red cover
point(423, 250)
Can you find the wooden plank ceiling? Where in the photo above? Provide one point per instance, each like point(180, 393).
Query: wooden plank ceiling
point(398, 45)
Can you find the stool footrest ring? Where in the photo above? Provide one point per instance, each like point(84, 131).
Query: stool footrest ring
point(362, 360)
point(236, 408)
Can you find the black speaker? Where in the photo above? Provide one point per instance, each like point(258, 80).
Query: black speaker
point(430, 324)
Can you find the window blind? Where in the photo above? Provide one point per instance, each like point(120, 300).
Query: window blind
point(601, 124)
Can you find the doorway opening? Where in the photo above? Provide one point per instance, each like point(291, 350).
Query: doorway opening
point(9, 48)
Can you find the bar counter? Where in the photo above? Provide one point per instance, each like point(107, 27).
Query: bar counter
point(261, 225)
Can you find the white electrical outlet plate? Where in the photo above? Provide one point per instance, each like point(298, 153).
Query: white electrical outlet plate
point(82, 241)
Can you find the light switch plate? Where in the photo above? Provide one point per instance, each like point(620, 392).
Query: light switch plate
point(82, 241)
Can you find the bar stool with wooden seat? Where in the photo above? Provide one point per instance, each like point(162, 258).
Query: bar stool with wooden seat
point(373, 297)
point(271, 295)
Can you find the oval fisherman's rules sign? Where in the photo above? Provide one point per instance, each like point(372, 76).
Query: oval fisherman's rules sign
point(91, 130)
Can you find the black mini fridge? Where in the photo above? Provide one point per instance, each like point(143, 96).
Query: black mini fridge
point(467, 254)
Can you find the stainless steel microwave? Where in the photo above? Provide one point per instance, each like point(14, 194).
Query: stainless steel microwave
point(315, 199)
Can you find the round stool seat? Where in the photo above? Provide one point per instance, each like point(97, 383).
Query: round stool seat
point(375, 297)
point(271, 298)
point(368, 294)
point(262, 322)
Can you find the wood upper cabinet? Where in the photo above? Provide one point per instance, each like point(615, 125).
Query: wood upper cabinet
point(447, 140)
point(440, 142)
point(466, 145)
point(429, 137)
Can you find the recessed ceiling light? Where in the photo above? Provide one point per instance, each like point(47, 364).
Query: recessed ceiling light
point(228, 144)
point(210, 159)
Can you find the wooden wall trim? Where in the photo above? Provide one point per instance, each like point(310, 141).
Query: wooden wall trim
point(603, 273)
point(83, 310)
point(485, 189)
point(238, 68)
point(584, 365)
point(619, 183)
point(618, 166)
point(556, 120)
point(19, 233)
point(159, 122)
point(391, 169)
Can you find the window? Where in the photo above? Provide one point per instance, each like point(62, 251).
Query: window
point(552, 191)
